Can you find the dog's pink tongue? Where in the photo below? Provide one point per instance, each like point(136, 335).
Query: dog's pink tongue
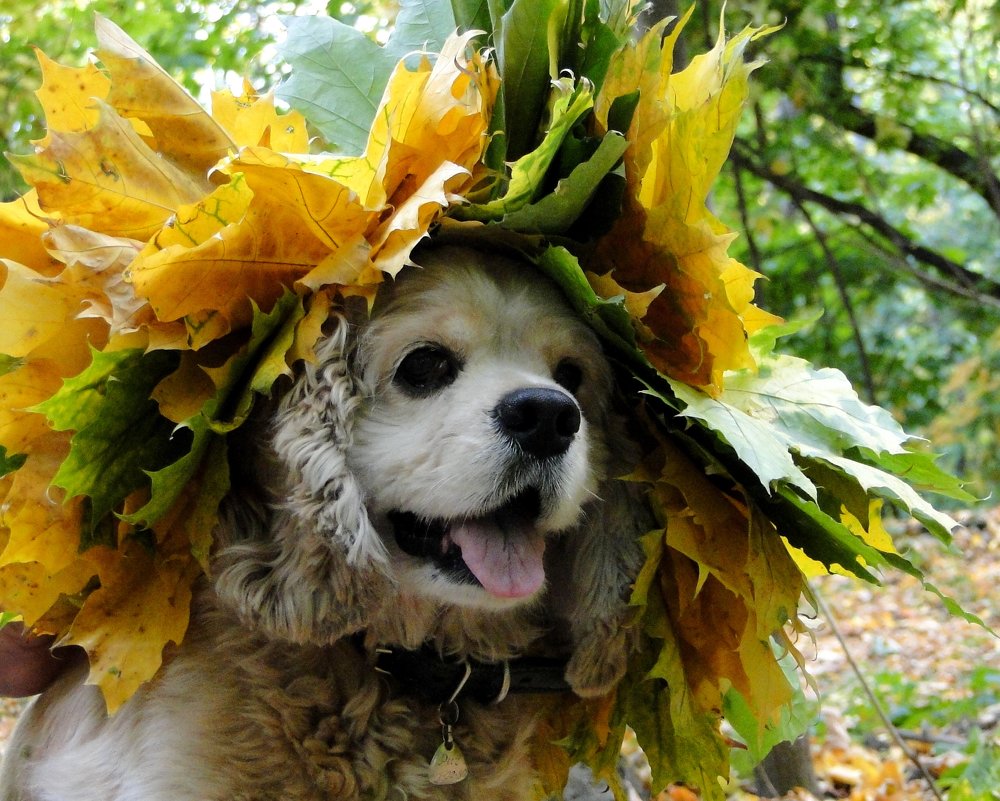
point(507, 567)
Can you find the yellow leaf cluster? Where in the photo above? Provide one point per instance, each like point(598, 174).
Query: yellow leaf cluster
point(152, 223)
point(666, 238)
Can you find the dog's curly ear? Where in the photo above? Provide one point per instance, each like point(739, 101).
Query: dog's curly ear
point(607, 556)
point(604, 561)
point(304, 562)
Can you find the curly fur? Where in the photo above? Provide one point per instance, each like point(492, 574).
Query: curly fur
point(270, 697)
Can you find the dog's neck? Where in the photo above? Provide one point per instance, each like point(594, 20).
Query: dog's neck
point(438, 679)
point(488, 636)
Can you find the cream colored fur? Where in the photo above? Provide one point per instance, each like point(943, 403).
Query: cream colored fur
point(269, 697)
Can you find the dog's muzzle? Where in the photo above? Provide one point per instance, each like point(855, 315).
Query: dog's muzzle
point(501, 550)
point(540, 421)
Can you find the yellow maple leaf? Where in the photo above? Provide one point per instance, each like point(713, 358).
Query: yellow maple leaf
point(45, 529)
point(40, 559)
point(143, 602)
point(252, 119)
point(107, 179)
point(67, 94)
point(679, 138)
point(292, 220)
point(180, 129)
point(22, 223)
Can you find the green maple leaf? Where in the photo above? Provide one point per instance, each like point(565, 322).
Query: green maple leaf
point(119, 431)
point(249, 374)
point(339, 74)
point(570, 102)
point(10, 463)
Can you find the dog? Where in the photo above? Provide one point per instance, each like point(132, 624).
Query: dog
point(425, 526)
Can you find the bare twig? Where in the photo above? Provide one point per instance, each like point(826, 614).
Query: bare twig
point(743, 156)
point(756, 262)
point(838, 278)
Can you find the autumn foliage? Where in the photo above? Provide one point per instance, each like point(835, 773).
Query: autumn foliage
point(169, 264)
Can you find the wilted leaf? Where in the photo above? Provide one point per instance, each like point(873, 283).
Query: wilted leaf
point(95, 264)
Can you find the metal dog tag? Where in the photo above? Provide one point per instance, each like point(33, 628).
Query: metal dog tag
point(447, 765)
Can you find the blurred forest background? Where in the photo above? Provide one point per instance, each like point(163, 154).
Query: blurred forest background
point(864, 181)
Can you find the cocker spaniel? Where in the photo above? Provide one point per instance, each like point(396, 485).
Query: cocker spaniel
point(425, 529)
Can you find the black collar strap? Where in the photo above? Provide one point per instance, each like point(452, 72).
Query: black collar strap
point(435, 679)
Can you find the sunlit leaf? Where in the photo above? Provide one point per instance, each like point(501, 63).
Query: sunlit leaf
point(107, 179)
point(140, 88)
point(339, 74)
point(680, 132)
point(252, 120)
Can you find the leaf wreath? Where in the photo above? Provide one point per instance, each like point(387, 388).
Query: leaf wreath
point(147, 303)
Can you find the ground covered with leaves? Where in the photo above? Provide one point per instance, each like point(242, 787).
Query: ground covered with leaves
point(937, 677)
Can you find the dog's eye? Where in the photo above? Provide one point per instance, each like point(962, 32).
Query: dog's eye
point(426, 369)
point(568, 375)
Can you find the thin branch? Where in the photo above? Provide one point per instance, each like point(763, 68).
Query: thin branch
point(854, 62)
point(876, 704)
point(835, 104)
point(838, 278)
point(930, 281)
point(978, 141)
point(756, 262)
point(972, 281)
point(942, 154)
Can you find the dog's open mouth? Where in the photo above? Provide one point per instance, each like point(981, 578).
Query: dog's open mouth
point(501, 550)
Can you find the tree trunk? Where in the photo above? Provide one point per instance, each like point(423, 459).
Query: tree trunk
point(789, 765)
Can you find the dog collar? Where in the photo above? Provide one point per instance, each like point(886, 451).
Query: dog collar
point(436, 679)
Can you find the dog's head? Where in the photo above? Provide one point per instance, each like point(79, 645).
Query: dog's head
point(481, 432)
point(434, 451)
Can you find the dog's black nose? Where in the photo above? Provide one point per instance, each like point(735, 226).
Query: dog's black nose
point(542, 421)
